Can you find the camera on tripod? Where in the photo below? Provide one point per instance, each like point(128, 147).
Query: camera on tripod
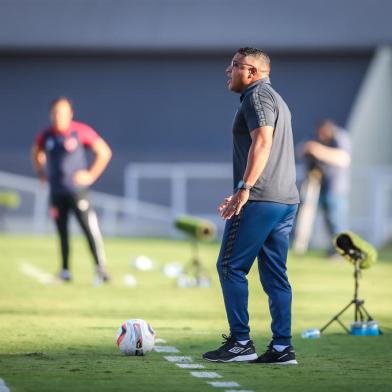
point(196, 229)
point(362, 255)
point(355, 249)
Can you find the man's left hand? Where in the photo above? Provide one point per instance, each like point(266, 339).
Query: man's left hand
point(83, 177)
point(233, 205)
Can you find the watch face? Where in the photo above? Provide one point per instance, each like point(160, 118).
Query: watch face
point(242, 185)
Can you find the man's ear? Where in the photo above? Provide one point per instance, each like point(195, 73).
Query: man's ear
point(252, 72)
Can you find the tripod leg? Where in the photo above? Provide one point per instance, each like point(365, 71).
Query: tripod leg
point(370, 318)
point(358, 312)
point(336, 318)
point(343, 326)
point(196, 265)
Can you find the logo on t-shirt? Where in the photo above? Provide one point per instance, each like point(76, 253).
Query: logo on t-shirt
point(70, 144)
point(49, 144)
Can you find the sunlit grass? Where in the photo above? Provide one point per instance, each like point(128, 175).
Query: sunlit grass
point(62, 337)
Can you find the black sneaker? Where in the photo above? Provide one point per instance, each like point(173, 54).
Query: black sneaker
point(274, 357)
point(232, 351)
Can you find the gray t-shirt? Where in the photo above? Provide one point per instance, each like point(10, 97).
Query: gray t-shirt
point(261, 105)
point(336, 179)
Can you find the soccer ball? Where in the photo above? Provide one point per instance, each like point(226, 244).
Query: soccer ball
point(135, 337)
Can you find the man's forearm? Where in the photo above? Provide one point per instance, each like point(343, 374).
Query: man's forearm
point(257, 160)
point(332, 156)
point(98, 166)
point(103, 155)
point(39, 161)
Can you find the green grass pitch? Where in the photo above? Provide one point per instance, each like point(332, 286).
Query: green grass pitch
point(62, 337)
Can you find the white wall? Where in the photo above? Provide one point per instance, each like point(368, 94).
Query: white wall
point(370, 125)
point(193, 24)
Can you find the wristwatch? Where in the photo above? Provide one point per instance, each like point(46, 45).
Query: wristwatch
point(242, 185)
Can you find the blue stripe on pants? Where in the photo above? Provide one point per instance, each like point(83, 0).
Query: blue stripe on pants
point(261, 230)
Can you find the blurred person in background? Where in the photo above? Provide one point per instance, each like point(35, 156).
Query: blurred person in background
point(330, 153)
point(59, 157)
point(260, 213)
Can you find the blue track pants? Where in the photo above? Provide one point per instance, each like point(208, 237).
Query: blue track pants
point(261, 230)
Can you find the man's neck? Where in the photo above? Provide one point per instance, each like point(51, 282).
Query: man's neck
point(254, 81)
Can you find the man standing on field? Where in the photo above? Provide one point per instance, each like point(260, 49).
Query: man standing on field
point(260, 213)
point(59, 157)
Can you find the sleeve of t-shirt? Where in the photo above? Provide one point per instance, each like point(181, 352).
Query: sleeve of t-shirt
point(259, 110)
point(39, 140)
point(87, 135)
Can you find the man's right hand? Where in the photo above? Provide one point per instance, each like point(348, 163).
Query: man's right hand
point(233, 204)
point(39, 162)
point(225, 203)
point(83, 177)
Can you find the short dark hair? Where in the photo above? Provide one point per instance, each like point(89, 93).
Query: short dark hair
point(248, 51)
point(55, 101)
point(326, 122)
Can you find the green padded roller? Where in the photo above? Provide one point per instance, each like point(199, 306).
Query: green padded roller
point(201, 229)
point(9, 199)
point(352, 247)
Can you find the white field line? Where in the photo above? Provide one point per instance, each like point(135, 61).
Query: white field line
point(159, 340)
point(206, 375)
point(238, 390)
point(3, 387)
point(223, 384)
point(173, 358)
point(166, 349)
point(36, 273)
point(190, 365)
point(185, 362)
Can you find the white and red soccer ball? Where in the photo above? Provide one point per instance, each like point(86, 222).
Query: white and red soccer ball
point(135, 337)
